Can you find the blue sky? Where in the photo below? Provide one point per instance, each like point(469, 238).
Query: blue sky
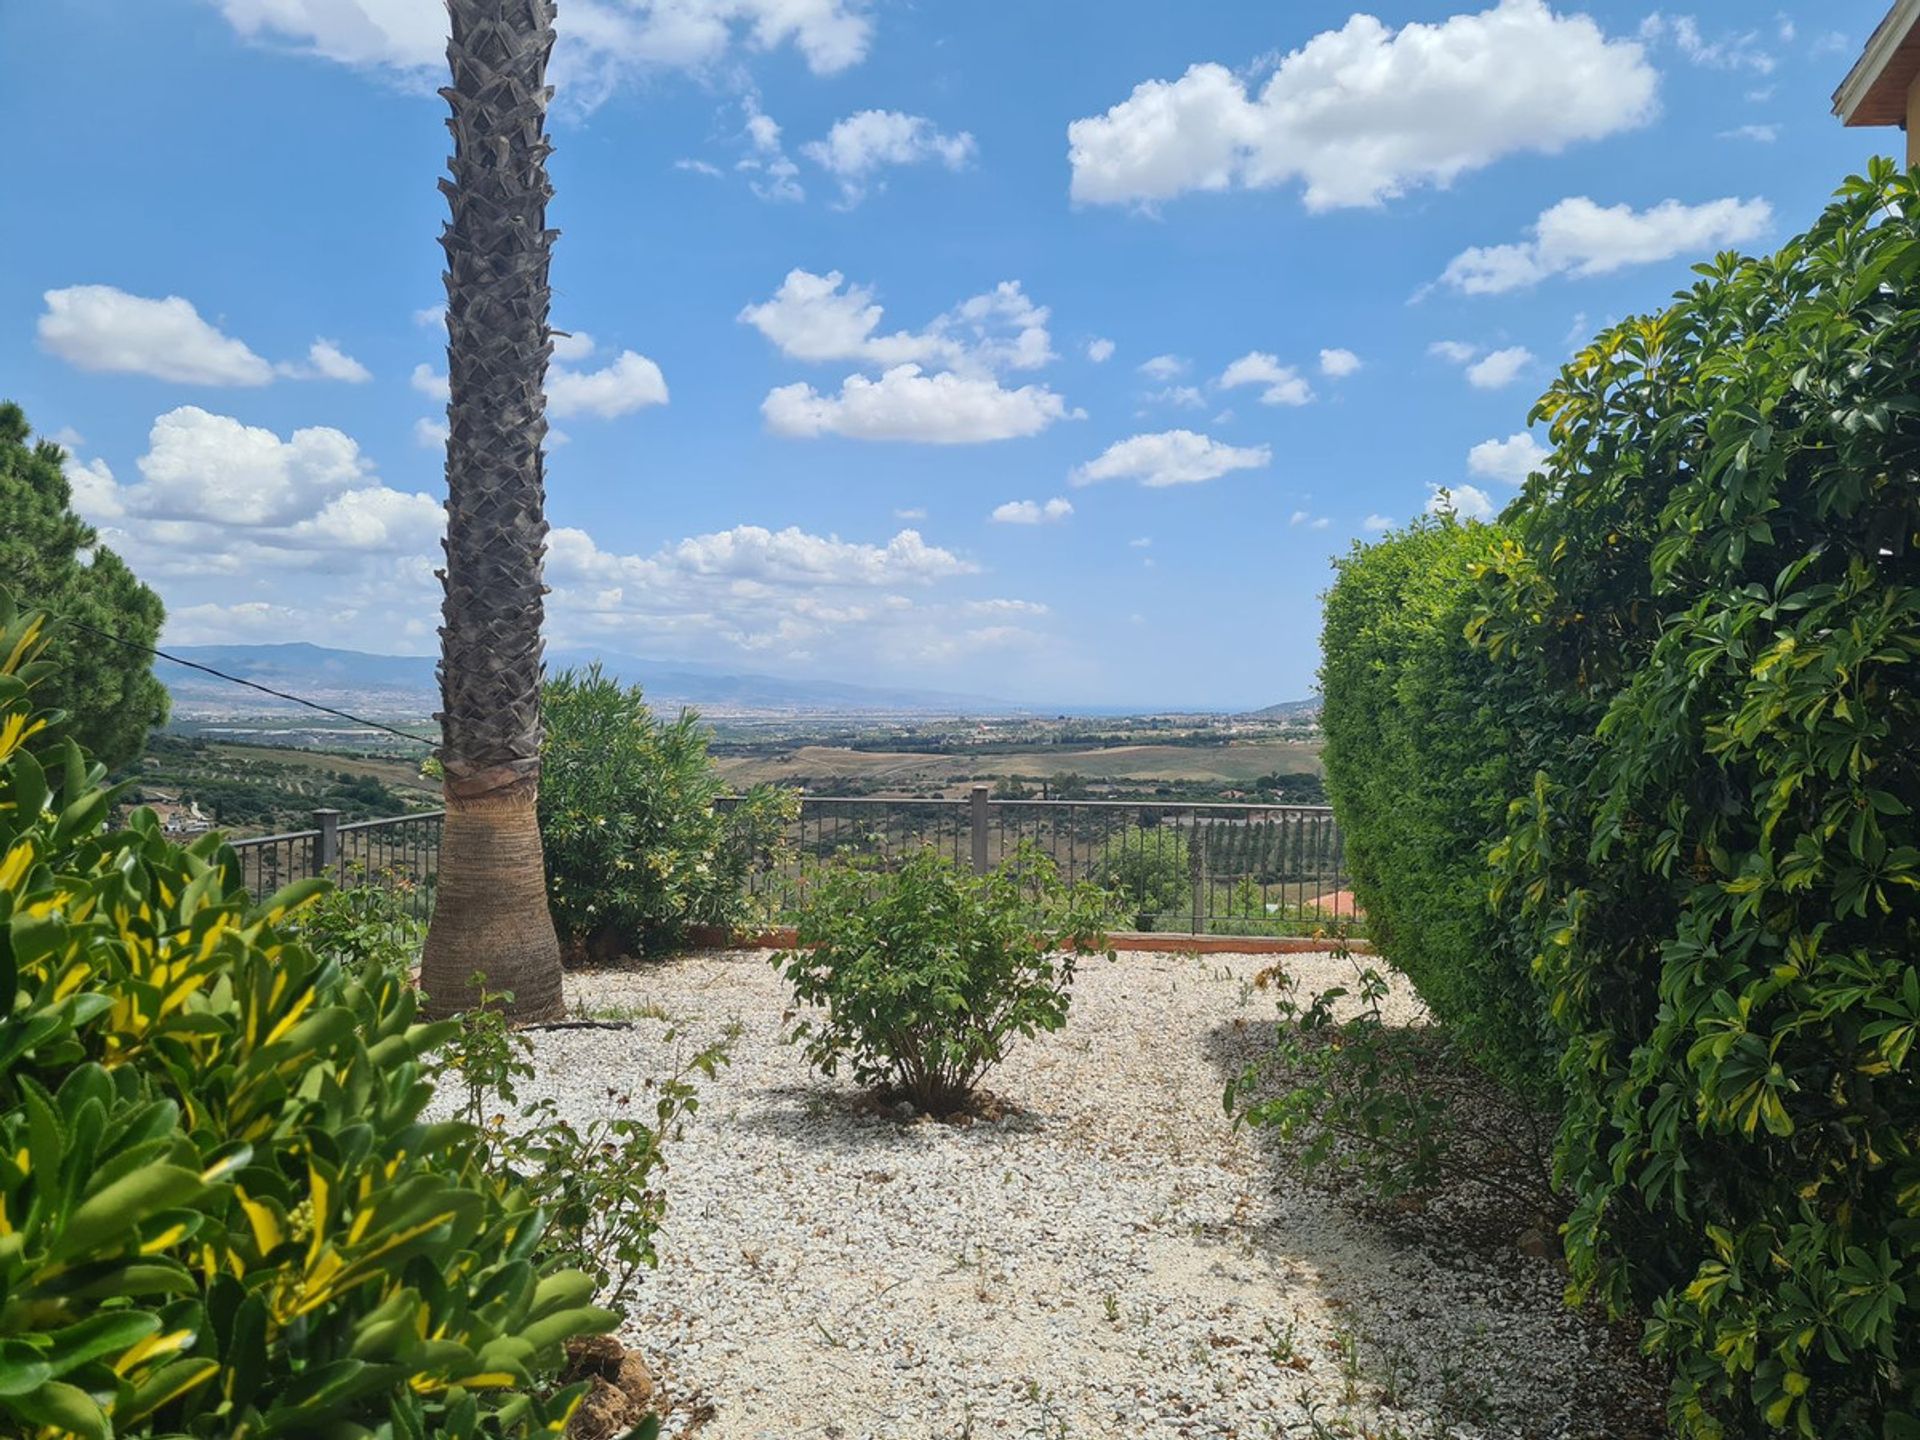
point(1175, 301)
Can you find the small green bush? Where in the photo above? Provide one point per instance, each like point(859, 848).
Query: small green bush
point(598, 1184)
point(221, 1212)
point(1351, 1093)
point(637, 844)
point(1147, 870)
point(366, 925)
point(928, 972)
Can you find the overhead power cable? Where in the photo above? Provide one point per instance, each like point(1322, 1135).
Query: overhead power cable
point(238, 680)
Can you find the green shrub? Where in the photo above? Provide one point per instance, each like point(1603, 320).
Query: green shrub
point(1714, 594)
point(1147, 870)
point(366, 924)
point(637, 845)
point(221, 1214)
point(1418, 762)
point(928, 972)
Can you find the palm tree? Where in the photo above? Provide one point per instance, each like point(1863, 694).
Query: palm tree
point(490, 910)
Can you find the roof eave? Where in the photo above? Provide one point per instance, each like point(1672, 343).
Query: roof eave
point(1874, 92)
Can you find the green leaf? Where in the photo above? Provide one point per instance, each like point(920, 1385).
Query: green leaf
point(113, 1212)
point(63, 1407)
point(97, 1336)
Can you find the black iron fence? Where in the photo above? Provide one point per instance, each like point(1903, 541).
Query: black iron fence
point(1194, 869)
point(401, 852)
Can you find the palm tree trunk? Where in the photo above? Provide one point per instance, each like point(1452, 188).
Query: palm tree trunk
point(490, 911)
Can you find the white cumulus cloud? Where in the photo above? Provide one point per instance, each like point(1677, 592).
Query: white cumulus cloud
point(429, 382)
point(211, 469)
point(1578, 237)
point(1338, 364)
point(1100, 351)
point(862, 144)
point(632, 382)
point(1484, 369)
point(1279, 384)
point(1031, 512)
point(254, 536)
point(1468, 502)
point(820, 318)
point(603, 43)
point(326, 361)
point(1500, 368)
point(1510, 460)
point(907, 404)
point(1363, 113)
point(1171, 457)
point(100, 328)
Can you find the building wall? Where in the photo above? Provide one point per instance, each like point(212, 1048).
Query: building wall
point(1913, 123)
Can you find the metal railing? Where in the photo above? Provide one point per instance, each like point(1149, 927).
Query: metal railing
point(401, 852)
point(1177, 867)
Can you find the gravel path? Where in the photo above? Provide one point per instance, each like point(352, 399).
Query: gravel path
point(1109, 1259)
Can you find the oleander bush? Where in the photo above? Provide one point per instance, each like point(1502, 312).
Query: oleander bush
point(221, 1213)
point(1420, 765)
point(925, 973)
point(1712, 591)
point(637, 845)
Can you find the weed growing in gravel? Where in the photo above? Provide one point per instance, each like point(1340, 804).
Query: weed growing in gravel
point(620, 1012)
point(1359, 1096)
point(599, 1183)
point(1283, 1345)
point(927, 973)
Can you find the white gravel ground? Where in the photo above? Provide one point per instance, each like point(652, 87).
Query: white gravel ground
point(1111, 1259)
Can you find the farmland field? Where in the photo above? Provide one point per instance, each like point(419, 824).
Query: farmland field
point(1237, 763)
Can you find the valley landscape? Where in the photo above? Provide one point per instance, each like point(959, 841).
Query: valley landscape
point(254, 763)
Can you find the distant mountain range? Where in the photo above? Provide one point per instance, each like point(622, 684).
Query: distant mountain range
point(389, 685)
point(404, 684)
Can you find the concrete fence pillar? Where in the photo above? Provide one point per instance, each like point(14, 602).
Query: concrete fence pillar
point(326, 841)
point(978, 813)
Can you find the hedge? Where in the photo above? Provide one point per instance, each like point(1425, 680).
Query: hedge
point(1714, 579)
point(1693, 688)
point(1419, 769)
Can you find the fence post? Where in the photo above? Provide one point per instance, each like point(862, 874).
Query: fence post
point(979, 811)
point(1197, 865)
point(326, 840)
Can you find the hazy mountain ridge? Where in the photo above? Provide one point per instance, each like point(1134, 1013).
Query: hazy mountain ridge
point(405, 683)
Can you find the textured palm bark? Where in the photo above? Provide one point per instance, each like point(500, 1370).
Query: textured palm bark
point(490, 910)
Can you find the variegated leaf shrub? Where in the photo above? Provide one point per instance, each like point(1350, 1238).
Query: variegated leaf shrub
point(221, 1213)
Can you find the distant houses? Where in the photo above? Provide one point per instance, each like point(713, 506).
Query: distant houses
point(177, 816)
